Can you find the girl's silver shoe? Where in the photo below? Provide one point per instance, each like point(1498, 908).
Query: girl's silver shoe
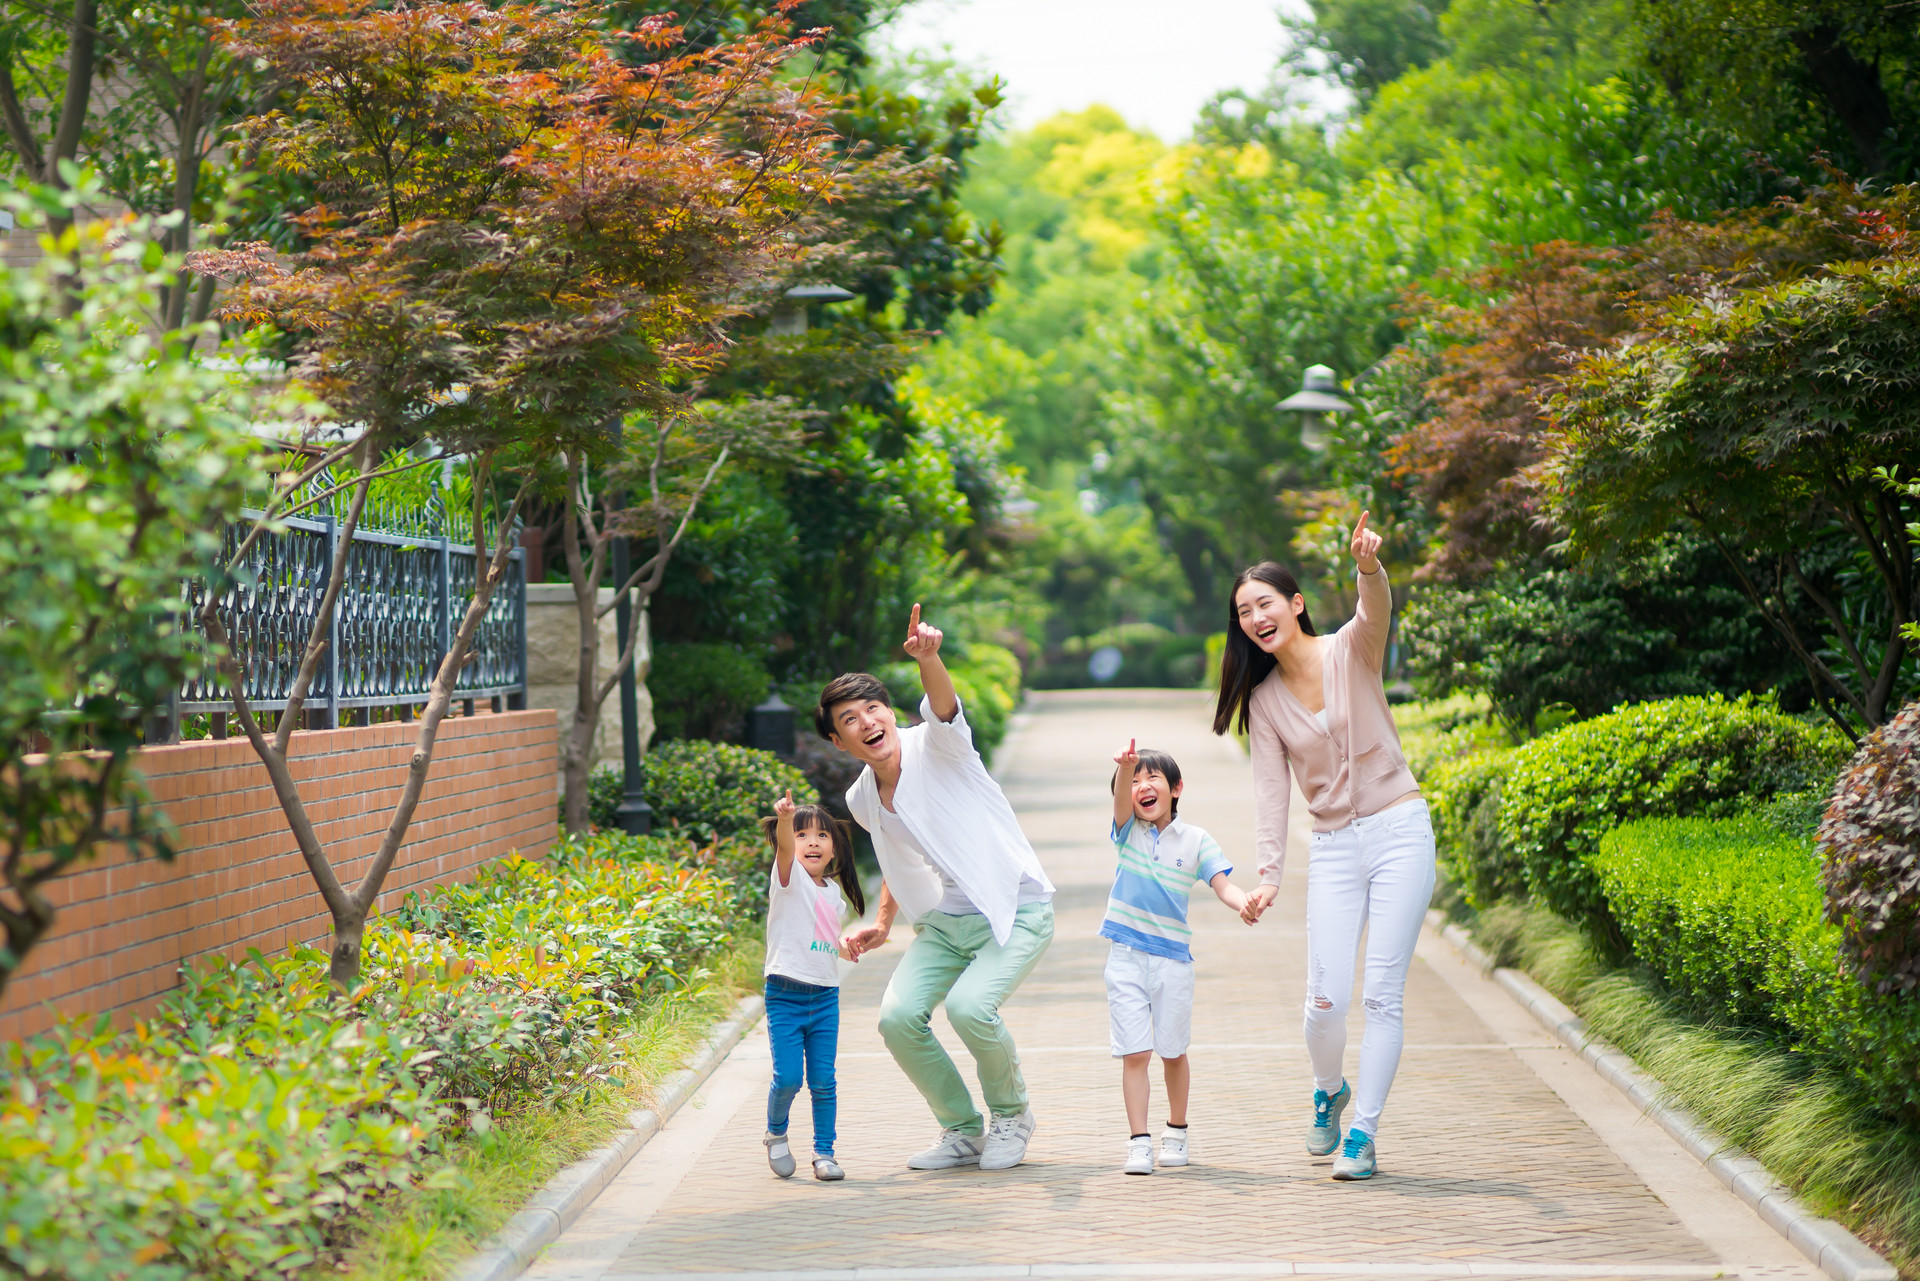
point(826, 1170)
point(779, 1154)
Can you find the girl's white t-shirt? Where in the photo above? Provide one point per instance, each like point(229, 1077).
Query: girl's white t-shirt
point(803, 928)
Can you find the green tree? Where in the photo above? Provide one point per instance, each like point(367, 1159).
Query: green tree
point(121, 461)
point(1757, 420)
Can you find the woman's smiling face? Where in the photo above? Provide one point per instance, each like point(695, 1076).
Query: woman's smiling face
point(1270, 620)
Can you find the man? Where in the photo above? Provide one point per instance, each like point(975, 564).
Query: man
point(954, 860)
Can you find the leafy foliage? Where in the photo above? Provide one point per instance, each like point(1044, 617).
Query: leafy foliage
point(711, 791)
point(1870, 846)
point(703, 690)
point(239, 1132)
point(1729, 914)
point(1465, 797)
point(121, 459)
point(1762, 419)
point(1710, 757)
point(1583, 640)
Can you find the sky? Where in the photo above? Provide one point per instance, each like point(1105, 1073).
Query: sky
point(1153, 62)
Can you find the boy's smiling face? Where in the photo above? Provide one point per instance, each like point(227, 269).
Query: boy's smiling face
point(866, 730)
point(1153, 796)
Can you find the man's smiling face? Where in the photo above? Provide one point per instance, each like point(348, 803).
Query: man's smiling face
point(866, 730)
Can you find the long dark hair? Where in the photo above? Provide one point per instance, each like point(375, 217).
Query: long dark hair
point(818, 818)
point(1244, 664)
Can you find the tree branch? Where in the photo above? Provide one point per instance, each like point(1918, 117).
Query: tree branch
point(317, 638)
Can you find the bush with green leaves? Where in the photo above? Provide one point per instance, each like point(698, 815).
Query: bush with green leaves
point(701, 791)
point(1870, 842)
point(1729, 914)
point(740, 862)
point(1708, 757)
point(704, 691)
point(1464, 794)
point(237, 1133)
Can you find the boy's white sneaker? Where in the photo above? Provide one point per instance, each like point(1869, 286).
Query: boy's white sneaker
point(779, 1154)
point(955, 1148)
point(1173, 1146)
point(1139, 1155)
point(1007, 1141)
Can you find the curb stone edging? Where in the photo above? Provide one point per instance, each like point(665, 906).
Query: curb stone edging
point(1828, 1245)
point(555, 1207)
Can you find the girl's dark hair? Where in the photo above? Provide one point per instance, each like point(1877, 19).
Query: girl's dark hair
point(818, 818)
point(1244, 664)
point(1152, 759)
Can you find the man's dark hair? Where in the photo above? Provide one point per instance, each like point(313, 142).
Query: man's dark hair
point(1165, 765)
point(849, 687)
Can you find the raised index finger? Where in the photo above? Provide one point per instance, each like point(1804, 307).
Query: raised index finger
point(913, 623)
point(1357, 529)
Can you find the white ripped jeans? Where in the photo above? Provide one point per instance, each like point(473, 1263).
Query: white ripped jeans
point(1375, 875)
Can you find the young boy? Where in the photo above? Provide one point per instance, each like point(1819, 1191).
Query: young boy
point(954, 860)
point(1150, 968)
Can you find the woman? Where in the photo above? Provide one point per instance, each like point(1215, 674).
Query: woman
point(1315, 709)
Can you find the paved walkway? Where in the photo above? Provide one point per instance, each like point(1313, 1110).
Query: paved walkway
point(1501, 1154)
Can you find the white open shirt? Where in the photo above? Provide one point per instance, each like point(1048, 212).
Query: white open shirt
point(958, 816)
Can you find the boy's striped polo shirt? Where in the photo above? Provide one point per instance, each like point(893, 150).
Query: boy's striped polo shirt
point(1147, 910)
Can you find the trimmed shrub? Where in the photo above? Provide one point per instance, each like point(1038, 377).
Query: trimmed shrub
point(1465, 797)
point(704, 691)
point(1870, 842)
point(707, 792)
point(1730, 916)
point(1709, 757)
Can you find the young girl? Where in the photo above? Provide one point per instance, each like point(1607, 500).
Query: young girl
point(804, 911)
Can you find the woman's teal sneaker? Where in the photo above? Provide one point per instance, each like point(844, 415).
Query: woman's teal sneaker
point(1323, 1136)
point(1356, 1157)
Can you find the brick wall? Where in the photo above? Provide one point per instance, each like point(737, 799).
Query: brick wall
point(125, 928)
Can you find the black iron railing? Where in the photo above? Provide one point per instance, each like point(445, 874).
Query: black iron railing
point(407, 587)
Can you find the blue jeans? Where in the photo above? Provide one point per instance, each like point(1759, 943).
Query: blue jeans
point(803, 1023)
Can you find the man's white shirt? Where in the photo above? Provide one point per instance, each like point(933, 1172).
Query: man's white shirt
point(959, 822)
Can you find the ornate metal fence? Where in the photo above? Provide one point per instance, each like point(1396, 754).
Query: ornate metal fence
point(407, 587)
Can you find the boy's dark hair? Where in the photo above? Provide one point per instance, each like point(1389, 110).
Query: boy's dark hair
point(849, 687)
point(818, 818)
point(1153, 759)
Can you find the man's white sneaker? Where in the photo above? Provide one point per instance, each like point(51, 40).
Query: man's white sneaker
point(1139, 1155)
point(779, 1154)
point(1173, 1146)
point(1007, 1141)
point(955, 1148)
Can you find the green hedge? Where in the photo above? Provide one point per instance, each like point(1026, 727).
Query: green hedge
point(1709, 757)
point(701, 791)
point(1730, 915)
point(236, 1134)
point(1465, 798)
point(703, 690)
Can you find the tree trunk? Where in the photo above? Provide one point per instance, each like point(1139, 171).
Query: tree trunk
point(574, 771)
point(81, 34)
point(349, 929)
point(1852, 89)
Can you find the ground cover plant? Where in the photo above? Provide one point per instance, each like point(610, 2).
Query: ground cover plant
point(247, 1129)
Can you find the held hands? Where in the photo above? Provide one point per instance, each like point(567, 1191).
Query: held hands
point(1366, 546)
point(858, 942)
point(923, 639)
point(1258, 902)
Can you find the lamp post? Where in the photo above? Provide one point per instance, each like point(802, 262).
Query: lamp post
point(633, 814)
point(790, 318)
point(1313, 402)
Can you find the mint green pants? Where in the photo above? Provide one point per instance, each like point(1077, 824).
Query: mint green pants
point(954, 958)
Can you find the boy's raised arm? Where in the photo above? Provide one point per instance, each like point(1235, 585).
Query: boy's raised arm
point(1126, 760)
point(923, 647)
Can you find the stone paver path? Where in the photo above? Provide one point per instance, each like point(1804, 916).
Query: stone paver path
point(1501, 1155)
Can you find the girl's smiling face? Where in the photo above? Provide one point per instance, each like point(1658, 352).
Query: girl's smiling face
point(1270, 620)
point(813, 846)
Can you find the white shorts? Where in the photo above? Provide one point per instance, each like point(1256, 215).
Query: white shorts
point(1149, 1002)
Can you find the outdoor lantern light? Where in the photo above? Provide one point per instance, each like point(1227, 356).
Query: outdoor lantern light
point(1313, 402)
point(791, 316)
point(770, 727)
